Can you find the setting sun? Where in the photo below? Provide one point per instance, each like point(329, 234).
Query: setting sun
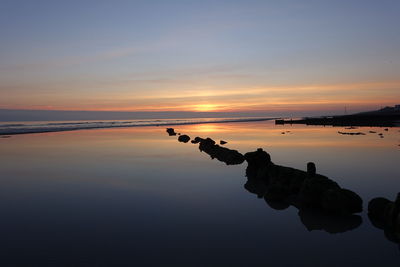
point(206, 107)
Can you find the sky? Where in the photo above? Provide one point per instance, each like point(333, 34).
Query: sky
point(229, 56)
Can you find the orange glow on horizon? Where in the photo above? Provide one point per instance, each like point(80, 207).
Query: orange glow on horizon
point(252, 99)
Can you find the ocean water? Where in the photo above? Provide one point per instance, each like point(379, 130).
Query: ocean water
point(11, 128)
point(137, 197)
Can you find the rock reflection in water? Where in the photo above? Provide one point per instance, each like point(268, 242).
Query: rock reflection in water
point(322, 203)
point(312, 219)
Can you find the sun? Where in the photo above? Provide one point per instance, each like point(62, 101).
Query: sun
point(205, 107)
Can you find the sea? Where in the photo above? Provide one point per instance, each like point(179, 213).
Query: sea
point(125, 193)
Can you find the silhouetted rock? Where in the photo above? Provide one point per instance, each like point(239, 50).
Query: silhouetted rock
point(322, 203)
point(314, 188)
point(258, 158)
point(277, 205)
point(341, 201)
point(197, 140)
point(311, 169)
point(206, 144)
point(377, 207)
point(256, 186)
point(222, 142)
point(184, 138)
point(317, 220)
point(300, 188)
point(385, 214)
point(229, 156)
point(171, 131)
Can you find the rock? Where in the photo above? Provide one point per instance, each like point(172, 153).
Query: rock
point(207, 143)
point(277, 192)
point(377, 207)
point(385, 210)
point(313, 189)
point(385, 214)
point(277, 205)
point(171, 131)
point(197, 140)
point(184, 138)
point(300, 188)
point(341, 201)
point(229, 156)
point(317, 220)
point(258, 158)
point(311, 169)
point(222, 142)
point(256, 186)
point(279, 197)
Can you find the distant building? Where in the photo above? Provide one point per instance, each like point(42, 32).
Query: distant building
point(397, 107)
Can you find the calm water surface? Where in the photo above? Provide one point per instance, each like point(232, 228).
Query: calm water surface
point(137, 197)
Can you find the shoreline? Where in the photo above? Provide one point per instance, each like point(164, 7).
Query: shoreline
point(15, 131)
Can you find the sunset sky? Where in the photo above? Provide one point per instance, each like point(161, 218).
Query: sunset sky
point(241, 56)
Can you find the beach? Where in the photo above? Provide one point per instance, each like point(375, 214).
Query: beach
point(136, 196)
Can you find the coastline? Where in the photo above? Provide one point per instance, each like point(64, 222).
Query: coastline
point(17, 129)
point(378, 118)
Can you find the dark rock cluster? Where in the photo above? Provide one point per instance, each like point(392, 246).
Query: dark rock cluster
point(385, 214)
point(322, 203)
point(299, 188)
point(209, 146)
point(229, 156)
point(289, 186)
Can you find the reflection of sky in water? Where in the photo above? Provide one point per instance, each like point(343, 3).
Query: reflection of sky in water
point(137, 195)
